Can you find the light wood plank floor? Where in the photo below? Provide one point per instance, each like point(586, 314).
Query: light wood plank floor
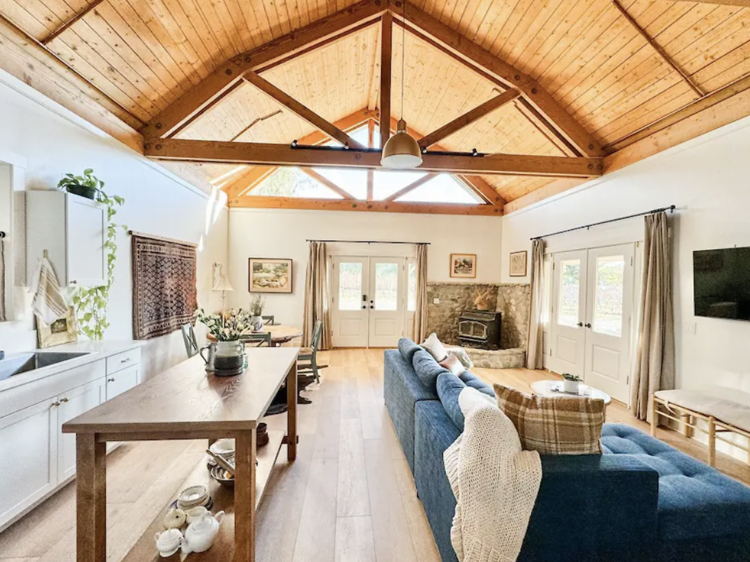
point(349, 497)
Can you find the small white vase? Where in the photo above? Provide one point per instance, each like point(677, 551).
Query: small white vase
point(571, 387)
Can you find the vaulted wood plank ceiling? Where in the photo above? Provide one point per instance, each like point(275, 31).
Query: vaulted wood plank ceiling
point(611, 77)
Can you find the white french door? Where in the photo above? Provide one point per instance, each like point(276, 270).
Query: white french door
point(368, 301)
point(591, 316)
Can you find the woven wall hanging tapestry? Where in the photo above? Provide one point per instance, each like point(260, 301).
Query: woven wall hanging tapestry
point(164, 286)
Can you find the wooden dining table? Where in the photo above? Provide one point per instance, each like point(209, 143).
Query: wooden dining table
point(186, 403)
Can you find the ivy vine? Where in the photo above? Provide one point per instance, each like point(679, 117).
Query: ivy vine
point(91, 303)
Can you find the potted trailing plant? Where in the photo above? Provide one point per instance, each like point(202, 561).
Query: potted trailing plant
point(571, 383)
point(257, 303)
point(87, 185)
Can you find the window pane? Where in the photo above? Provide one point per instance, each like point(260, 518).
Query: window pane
point(386, 286)
point(361, 135)
point(353, 181)
point(610, 273)
point(386, 184)
point(411, 299)
point(291, 182)
point(443, 188)
point(570, 283)
point(350, 286)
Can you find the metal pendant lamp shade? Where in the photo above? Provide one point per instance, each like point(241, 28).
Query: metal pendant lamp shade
point(401, 151)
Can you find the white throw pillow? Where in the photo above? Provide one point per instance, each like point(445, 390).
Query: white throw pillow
point(433, 346)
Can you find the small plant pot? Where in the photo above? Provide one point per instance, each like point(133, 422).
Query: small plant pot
point(571, 387)
point(82, 191)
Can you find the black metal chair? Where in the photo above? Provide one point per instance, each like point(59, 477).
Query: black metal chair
point(191, 343)
point(307, 360)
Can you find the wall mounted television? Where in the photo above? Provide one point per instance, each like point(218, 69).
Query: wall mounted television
point(721, 281)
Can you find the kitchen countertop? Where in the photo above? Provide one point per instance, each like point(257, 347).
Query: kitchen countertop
point(96, 350)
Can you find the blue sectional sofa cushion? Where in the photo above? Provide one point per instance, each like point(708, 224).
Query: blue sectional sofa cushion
point(475, 382)
point(449, 386)
point(428, 369)
point(408, 348)
point(695, 500)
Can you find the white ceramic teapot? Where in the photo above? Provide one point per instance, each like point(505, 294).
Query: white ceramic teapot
point(169, 542)
point(201, 533)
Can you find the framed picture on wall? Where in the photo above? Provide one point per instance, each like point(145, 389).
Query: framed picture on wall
point(518, 264)
point(266, 275)
point(464, 266)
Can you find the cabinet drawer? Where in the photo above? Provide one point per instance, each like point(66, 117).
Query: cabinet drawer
point(121, 381)
point(123, 360)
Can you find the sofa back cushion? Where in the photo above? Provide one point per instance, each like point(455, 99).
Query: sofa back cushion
point(554, 426)
point(449, 386)
point(427, 369)
point(473, 381)
point(408, 348)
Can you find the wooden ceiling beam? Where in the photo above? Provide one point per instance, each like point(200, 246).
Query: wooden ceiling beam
point(225, 78)
point(328, 183)
point(250, 179)
point(468, 118)
point(285, 155)
point(661, 52)
point(476, 57)
point(543, 126)
point(386, 72)
point(264, 202)
point(55, 34)
point(738, 3)
point(411, 187)
point(300, 110)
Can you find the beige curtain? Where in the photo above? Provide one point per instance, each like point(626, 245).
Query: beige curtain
point(535, 345)
point(420, 314)
point(2, 282)
point(316, 296)
point(655, 356)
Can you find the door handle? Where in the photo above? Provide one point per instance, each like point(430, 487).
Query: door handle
point(580, 324)
point(372, 306)
point(364, 307)
point(588, 325)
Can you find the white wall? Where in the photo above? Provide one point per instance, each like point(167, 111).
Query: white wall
point(707, 179)
point(265, 233)
point(49, 142)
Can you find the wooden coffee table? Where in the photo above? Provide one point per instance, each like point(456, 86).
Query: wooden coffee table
point(186, 403)
point(554, 389)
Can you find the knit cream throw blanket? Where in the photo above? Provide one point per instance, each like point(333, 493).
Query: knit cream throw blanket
point(494, 481)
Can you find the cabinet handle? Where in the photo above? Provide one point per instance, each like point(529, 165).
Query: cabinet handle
point(74, 282)
point(63, 400)
point(56, 403)
point(124, 360)
point(111, 379)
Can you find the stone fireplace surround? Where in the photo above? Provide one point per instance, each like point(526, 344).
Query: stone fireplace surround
point(513, 300)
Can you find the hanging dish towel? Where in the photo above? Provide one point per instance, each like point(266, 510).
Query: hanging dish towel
point(48, 303)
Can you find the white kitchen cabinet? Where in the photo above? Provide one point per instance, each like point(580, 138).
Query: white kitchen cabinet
point(123, 380)
point(70, 405)
point(28, 457)
point(73, 231)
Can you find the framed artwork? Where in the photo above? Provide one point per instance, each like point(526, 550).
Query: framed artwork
point(63, 330)
point(464, 266)
point(270, 275)
point(518, 264)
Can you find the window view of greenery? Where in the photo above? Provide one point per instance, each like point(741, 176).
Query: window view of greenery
point(386, 286)
point(350, 286)
point(567, 314)
point(291, 182)
point(610, 273)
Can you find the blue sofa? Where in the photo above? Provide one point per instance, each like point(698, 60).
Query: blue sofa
point(641, 500)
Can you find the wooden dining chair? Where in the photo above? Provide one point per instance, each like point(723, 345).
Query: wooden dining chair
point(188, 337)
point(269, 320)
point(259, 339)
point(307, 360)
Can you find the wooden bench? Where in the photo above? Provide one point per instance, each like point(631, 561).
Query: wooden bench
point(725, 410)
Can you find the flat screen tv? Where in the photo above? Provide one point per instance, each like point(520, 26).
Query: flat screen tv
point(722, 283)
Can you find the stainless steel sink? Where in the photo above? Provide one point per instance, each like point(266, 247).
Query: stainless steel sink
point(26, 362)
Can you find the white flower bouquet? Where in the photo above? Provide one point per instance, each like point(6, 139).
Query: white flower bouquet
point(225, 327)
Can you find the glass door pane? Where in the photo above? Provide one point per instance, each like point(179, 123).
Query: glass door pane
point(570, 293)
point(350, 286)
point(608, 295)
point(386, 286)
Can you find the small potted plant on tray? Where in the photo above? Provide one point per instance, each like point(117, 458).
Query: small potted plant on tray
point(87, 185)
point(257, 303)
point(571, 383)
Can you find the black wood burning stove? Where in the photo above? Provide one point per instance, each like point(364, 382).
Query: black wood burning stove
point(480, 328)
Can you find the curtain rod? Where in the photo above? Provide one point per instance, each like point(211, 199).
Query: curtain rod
point(671, 209)
point(369, 242)
point(162, 238)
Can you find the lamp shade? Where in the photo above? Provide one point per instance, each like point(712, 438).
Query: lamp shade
point(222, 284)
point(401, 151)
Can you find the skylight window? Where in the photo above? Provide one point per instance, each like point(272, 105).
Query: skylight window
point(350, 180)
point(443, 188)
point(293, 182)
point(386, 184)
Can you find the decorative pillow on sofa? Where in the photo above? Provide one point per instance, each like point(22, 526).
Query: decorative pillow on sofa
point(462, 355)
point(433, 345)
point(554, 426)
point(408, 348)
point(428, 369)
point(448, 388)
point(453, 365)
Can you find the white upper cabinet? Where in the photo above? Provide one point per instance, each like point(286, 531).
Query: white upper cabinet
point(73, 230)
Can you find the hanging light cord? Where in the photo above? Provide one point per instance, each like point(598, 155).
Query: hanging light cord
point(403, 59)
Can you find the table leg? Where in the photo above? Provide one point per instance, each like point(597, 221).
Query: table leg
point(91, 499)
point(291, 402)
point(244, 497)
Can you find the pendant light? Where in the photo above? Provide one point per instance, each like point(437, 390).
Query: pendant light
point(401, 151)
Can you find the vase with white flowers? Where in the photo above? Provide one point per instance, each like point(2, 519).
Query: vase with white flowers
point(227, 330)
